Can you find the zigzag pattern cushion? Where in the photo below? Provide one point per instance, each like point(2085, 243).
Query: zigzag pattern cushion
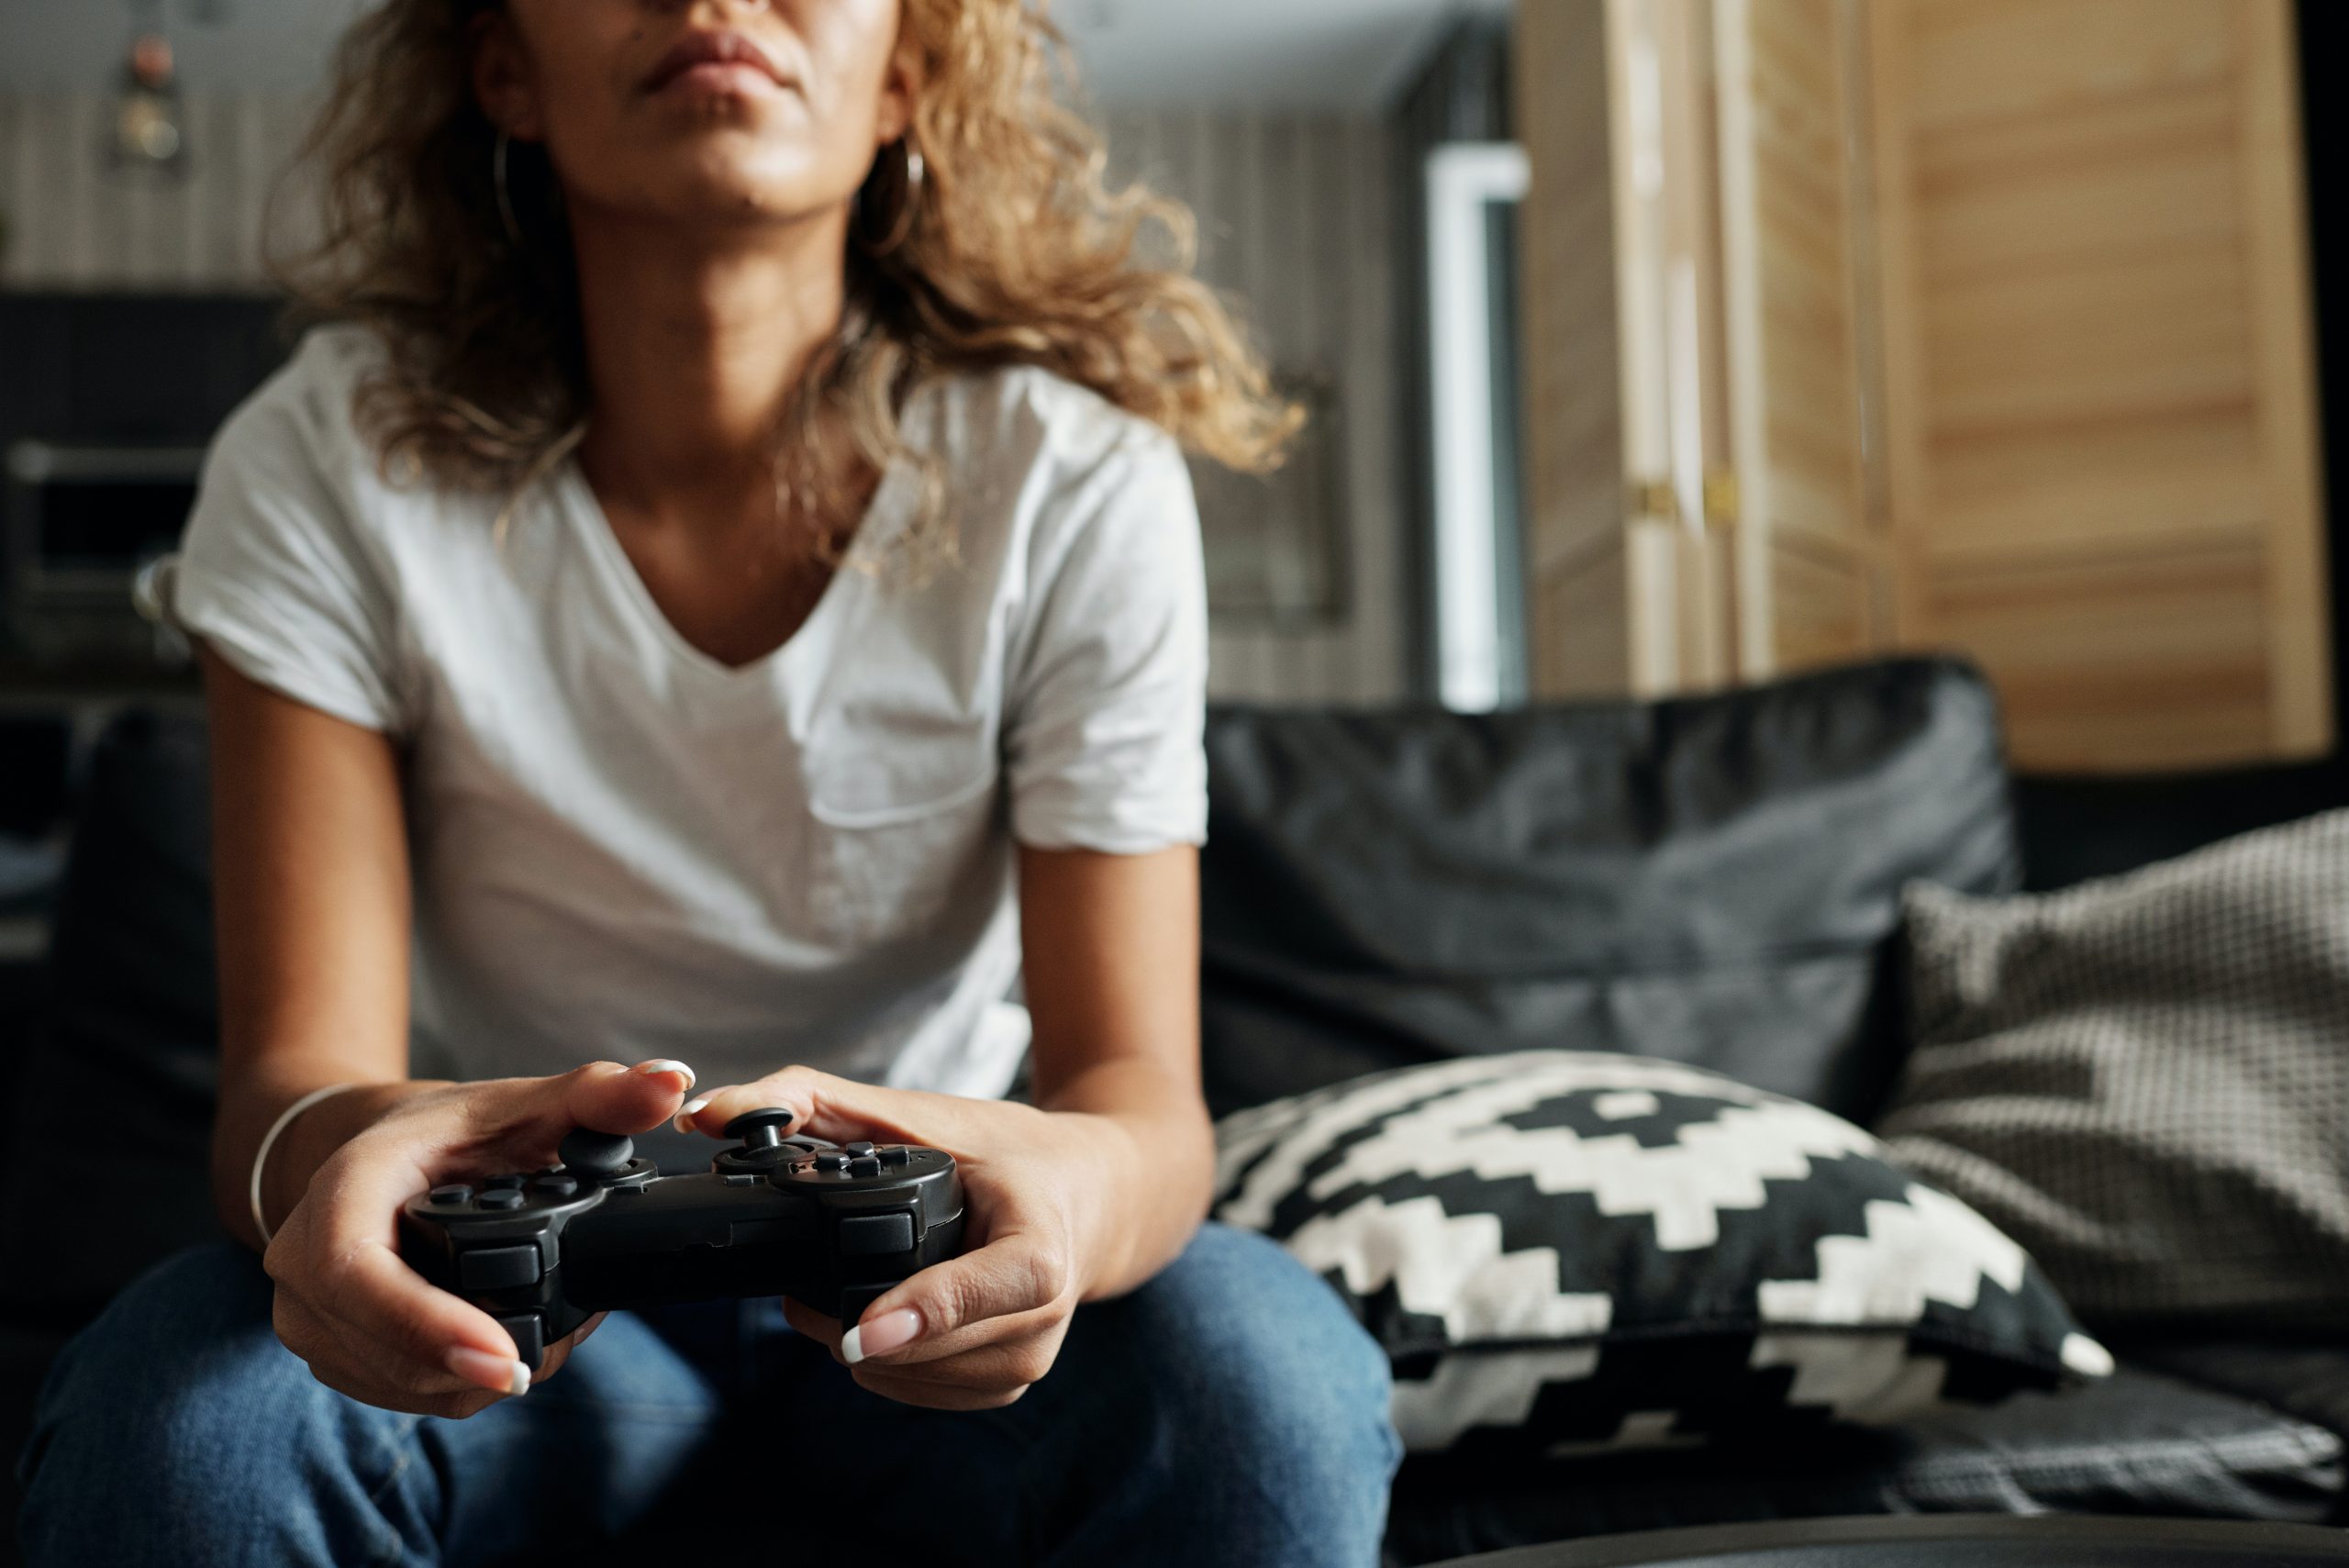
point(1567, 1250)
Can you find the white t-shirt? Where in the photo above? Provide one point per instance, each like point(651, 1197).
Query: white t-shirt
point(624, 849)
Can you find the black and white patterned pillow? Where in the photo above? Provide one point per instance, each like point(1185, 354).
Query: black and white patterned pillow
point(1569, 1249)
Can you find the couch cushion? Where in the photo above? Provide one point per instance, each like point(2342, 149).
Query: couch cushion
point(2145, 1079)
point(129, 1042)
point(1712, 879)
point(2142, 1442)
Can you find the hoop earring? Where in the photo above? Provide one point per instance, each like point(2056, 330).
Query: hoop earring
point(913, 172)
point(505, 192)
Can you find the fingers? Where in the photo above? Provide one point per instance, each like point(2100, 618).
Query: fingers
point(986, 1378)
point(969, 1334)
point(531, 1116)
point(934, 1397)
point(338, 1251)
point(840, 1110)
point(390, 1383)
point(984, 1295)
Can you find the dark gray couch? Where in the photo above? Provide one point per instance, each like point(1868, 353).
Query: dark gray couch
point(1713, 880)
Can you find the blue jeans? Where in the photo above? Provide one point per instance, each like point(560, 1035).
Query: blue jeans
point(1229, 1412)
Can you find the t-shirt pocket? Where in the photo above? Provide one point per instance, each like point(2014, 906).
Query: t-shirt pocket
point(909, 831)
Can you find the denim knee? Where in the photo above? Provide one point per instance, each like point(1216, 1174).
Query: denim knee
point(1265, 1376)
point(178, 1419)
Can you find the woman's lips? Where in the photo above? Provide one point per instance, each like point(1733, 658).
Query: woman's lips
point(716, 61)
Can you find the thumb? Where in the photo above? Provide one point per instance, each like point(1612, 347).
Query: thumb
point(532, 1114)
point(839, 1109)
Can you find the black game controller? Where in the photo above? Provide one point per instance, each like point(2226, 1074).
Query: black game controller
point(833, 1228)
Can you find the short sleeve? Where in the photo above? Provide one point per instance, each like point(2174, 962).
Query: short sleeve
point(272, 571)
point(1106, 706)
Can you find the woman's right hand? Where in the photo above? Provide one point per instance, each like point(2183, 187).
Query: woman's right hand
point(367, 1323)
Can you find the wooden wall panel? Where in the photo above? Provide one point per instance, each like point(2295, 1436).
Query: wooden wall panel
point(2103, 470)
point(2130, 661)
point(1583, 605)
point(1827, 609)
point(1572, 359)
point(1813, 551)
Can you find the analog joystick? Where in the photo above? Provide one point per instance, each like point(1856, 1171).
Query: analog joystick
point(762, 1129)
point(602, 1155)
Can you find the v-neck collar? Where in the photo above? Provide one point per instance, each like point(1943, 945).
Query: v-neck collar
point(891, 504)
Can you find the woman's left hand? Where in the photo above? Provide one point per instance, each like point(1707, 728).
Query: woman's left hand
point(974, 1332)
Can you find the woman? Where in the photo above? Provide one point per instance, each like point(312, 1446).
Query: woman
point(727, 591)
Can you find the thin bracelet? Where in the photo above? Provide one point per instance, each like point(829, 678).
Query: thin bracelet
point(261, 1159)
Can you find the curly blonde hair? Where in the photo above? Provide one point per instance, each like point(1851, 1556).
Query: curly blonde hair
point(1014, 251)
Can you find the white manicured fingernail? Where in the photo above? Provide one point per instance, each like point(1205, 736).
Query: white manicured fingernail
point(684, 1120)
point(665, 1065)
point(890, 1332)
point(499, 1374)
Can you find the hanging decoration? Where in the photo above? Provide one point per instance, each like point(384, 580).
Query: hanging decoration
point(150, 121)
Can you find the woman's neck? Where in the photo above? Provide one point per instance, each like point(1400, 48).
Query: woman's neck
point(694, 347)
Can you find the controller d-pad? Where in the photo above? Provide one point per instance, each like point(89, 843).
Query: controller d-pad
point(514, 1182)
point(452, 1195)
point(864, 1165)
point(498, 1268)
point(857, 1150)
point(501, 1197)
point(875, 1235)
point(555, 1186)
point(831, 1159)
point(897, 1154)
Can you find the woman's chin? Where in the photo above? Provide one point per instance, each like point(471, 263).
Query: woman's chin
point(700, 199)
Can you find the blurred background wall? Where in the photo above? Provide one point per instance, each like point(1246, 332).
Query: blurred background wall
point(1650, 345)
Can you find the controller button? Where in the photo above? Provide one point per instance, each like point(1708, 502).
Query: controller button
point(497, 1268)
point(864, 1165)
point(530, 1331)
point(515, 1182)
point(875, 1235)
point(897, 1154)
point(858, 1148)
point(555, 1186)
point(501, 1197)
point(450, 1196)
point(831, 1159)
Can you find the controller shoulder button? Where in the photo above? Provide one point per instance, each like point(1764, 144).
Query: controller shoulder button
point(498, 1268)
point(875, 1235)
point(530, 1331)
